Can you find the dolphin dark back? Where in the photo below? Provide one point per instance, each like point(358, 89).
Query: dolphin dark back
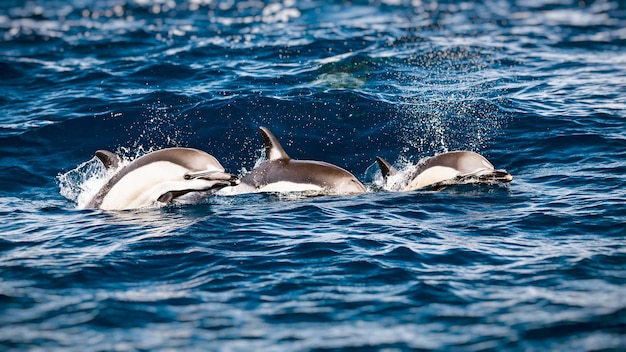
point(461, 160)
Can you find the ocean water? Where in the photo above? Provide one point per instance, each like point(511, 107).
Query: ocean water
point(538, 87)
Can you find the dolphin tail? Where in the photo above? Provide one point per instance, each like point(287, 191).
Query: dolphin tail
point(273, 149)
point(385, 167)
point(108, 159)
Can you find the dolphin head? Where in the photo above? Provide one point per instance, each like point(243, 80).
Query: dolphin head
point(471, 166)
point(346, 183)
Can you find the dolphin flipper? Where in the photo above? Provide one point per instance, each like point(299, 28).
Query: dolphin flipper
point(108, 159)
point(385, 167)
point(169, 196)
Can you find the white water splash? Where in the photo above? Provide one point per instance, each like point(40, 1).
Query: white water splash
point(83, 182)
point(450, 102)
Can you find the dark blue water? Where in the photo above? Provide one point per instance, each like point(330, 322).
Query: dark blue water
point(538, 87)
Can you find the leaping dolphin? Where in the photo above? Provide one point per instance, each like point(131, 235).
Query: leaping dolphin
point(279, 173)
point(457, 166)
point(159, 177)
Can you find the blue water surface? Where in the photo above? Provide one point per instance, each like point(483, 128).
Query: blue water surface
point(538, 87)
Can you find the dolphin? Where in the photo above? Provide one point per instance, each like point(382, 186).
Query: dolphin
point(456, 166)
point(159, 177)
point(281, 174)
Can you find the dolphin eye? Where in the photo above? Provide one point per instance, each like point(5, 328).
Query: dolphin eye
point(187, 177)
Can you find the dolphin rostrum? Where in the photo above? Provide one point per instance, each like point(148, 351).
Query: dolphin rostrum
point(456, 166)
point(279, 173)
point(159, 177)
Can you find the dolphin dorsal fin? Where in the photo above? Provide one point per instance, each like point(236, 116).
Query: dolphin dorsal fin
point(385, 167)
point(273, 149)
point(108, 159)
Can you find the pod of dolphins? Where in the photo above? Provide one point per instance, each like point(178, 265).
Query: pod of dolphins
point(186, 175)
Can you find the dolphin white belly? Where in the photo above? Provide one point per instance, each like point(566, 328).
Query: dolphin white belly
point(432, 176)
point(286, 186)
point(141, 187)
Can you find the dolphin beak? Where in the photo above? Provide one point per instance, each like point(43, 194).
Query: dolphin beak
point(490, 175)
point(503, 176)
point(233, 180)
point(230, 180)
